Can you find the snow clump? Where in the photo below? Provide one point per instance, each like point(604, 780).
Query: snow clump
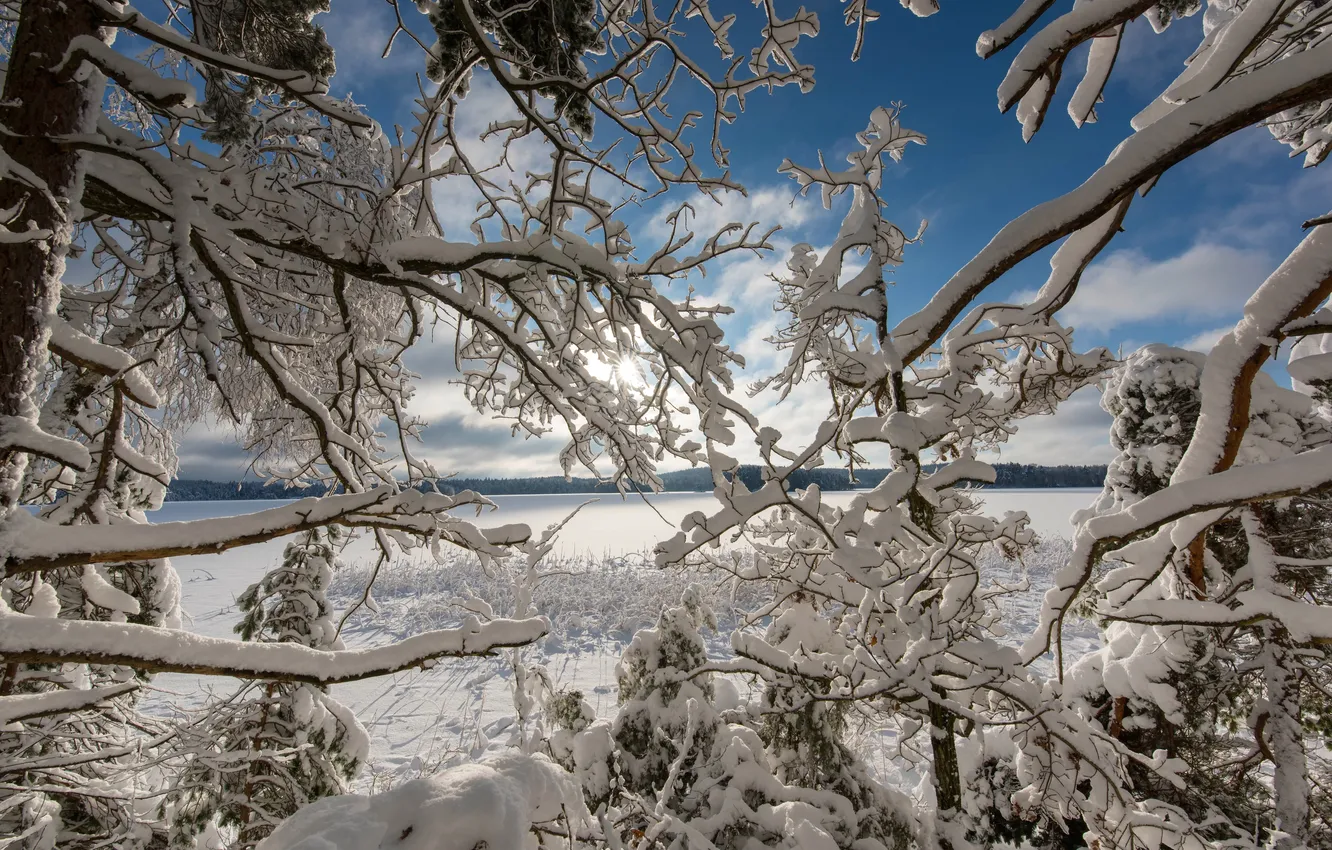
point(491, 804)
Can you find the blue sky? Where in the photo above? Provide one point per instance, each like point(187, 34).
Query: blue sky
point(1193, 249)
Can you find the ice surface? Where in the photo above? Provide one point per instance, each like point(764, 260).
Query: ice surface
point(420, 722)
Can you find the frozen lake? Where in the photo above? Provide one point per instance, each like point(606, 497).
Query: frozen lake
point(610, 525)
point(419, 721)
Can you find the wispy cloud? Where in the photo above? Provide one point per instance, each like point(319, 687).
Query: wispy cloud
point(1078, 434)
point(1207, 281)
point(1204, 340)
point(360, 34)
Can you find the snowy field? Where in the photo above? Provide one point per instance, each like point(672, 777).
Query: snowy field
point(602, 590)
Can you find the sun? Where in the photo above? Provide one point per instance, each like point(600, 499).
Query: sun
point(629, 374)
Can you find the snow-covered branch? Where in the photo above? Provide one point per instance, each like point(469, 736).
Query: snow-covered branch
point(1306, 623)
point(32, 545)
point(1139, 158)
point(1301, 474)
point(29, 706)
point(37, 640)
point(1295, 290)
point(299, 84)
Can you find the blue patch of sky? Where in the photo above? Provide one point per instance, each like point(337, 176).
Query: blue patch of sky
point(1192, 250)
point(975, 174)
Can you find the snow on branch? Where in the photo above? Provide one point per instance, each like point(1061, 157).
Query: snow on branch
point(28, 706)
point(1143, 156)
point(992, 41)
point(1306, 623)
point(1319, 322)
point(78, 347)
point(1046, 51)
point(21, 434)
point(299, 85)
point(1100, 63)
point(968, 469)
point(128, 72)
point(40, 640)
point(1290, 476)
point(34, 545)
point(1295, 290)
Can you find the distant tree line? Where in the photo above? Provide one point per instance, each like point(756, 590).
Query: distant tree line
point(199, 490)
point(1008, 476)
point(1019, 475)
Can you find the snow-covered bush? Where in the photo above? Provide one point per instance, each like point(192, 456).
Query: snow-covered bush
point(667, 723)
point(685, 763)
point(805, 735)
point(585, 748)
point(1153, 398)
point(497, 804)
point(255, 758)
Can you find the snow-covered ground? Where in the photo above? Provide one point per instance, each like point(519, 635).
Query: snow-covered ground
point(602, 589)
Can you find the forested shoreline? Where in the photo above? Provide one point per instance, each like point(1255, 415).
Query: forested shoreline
point(1007, 476)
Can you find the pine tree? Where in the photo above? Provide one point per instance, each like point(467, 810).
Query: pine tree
point(686, 766)
point(585, 747)
point(666, 723)
point(1153, 398)
point(274, 746)
point(684, 772)
point(550, 35)
point(805, 734)
point(274, 33)
point(1223, 701)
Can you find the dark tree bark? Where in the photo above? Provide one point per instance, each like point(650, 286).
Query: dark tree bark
point(947, 775)
point(40, 101)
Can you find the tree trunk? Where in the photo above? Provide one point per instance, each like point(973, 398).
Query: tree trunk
point(252, 833)
point(1285, 741)
point(947, 778)
point(38, 103)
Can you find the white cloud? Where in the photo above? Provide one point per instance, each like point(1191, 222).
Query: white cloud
point(771, 206)
point(1207, 281)
point(1077, 434)
point(359, 36)
point(1204, 340)
point(211, 451)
